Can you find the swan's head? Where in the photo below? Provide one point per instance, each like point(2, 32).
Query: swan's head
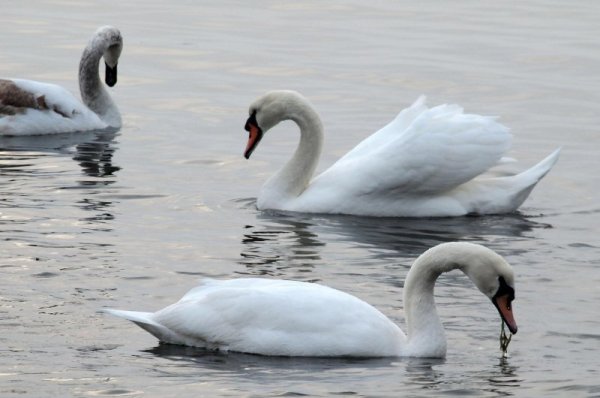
point(494, 277)
point(270, 109)
point(113, 45)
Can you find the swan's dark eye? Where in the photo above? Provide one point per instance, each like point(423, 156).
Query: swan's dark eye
point(505, 289)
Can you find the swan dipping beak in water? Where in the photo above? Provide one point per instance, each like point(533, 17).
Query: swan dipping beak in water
point(289, 318)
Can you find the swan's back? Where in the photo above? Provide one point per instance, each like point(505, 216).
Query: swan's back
point(279, 317)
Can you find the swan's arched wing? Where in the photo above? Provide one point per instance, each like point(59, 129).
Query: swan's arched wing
point(391, 131)
point(276, 317)
point(44, 109)
point(422, 151)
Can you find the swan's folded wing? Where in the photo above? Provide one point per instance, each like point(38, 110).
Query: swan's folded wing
point(52, 109)
point(274, 317)
point(56, 98)
point(234, 310)
point(389, 132)
point(422, 151)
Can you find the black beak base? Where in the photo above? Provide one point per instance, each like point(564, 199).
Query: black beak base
point(110, 75)
point(255, 135)
point(251, 122)
point(503, 302)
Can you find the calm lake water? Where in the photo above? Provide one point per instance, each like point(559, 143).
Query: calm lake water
point(132, 220)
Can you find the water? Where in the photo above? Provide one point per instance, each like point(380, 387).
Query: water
point(133, 220)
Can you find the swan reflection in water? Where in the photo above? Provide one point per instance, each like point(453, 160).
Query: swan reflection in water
point(431, 374)
point(93, 149)
point(272, 249)
point(411, 374)
point(185, 356)
point(95, 157)
point(25, 158)
point(280, 241)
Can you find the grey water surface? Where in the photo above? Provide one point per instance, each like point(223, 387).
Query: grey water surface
point(132, 220)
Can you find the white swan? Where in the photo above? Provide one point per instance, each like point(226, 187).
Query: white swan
point(280, 317)
point(422, 164)
point(31, 108)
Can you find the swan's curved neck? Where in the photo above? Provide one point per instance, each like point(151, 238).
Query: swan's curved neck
point(425, 332)
point(93, 93)
point(295, 176)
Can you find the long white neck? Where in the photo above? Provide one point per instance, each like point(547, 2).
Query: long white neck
point(295, 176)
point(93, 93)
point(426, 336)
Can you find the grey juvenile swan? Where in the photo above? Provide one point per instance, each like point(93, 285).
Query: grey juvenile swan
point(29, 107)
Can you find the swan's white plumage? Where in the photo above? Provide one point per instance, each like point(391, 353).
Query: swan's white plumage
point(273, 317)
point(63, 112)
point(423, 151)
point(426, 162)
point(289, 318)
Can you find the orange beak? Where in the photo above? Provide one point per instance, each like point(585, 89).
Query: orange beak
point(504, 305)
point(255, 135)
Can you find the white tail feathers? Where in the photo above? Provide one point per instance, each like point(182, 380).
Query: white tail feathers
point(133, 316)
point(146, 321)
point(523, 183)
point(538, 171)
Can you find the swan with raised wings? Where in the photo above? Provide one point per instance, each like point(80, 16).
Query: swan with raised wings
point(288, 318)
point(29, 107)
point(428, 162)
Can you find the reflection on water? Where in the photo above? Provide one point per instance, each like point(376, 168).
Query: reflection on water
point(53, 142)
point(95, 157)
point(271, 249)
point(348, 375)
point(507, 375)
point(64, 198)
point(93, 151)
point(41, 186)
point(99, 208)
point(503, 379)
point(499, 380)
point(235, 361)
point(421, 372)
point(280, 241)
